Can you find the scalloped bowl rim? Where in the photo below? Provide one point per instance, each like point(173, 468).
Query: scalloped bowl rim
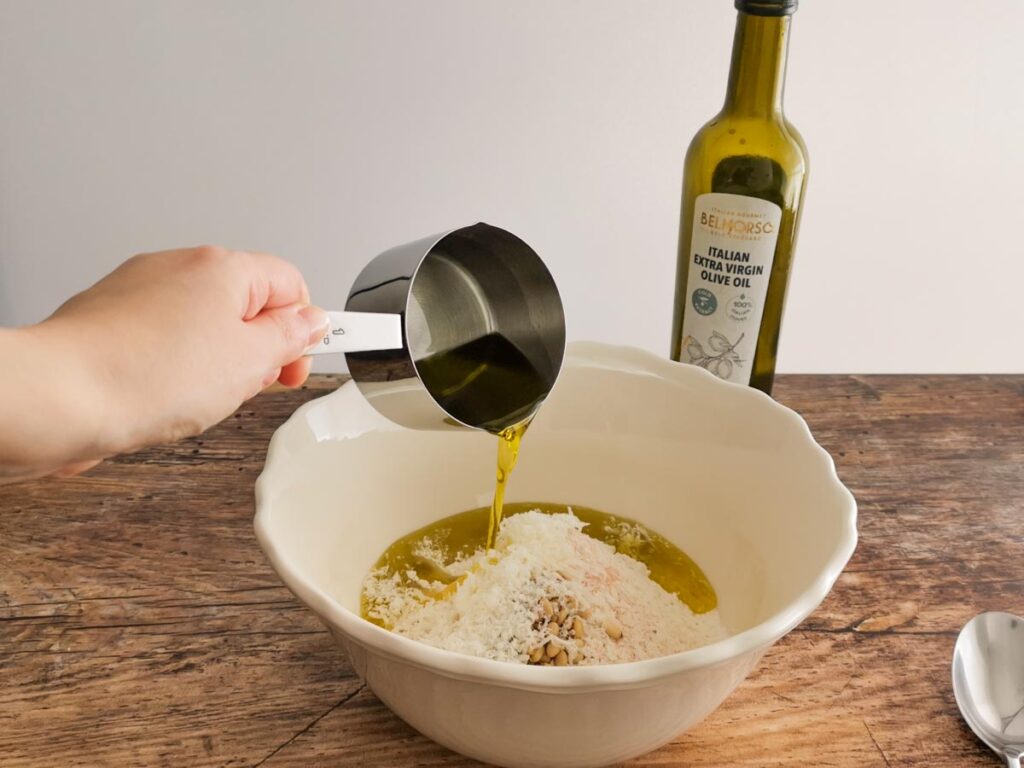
point(569, 679)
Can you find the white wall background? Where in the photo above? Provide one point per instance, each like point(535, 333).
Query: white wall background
point(328, 131)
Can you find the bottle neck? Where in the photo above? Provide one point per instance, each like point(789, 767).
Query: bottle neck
point(758, 71)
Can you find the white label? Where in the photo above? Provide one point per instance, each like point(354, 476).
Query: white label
point(731, 256)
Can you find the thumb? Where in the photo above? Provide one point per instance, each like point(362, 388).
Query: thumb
point(285, 333)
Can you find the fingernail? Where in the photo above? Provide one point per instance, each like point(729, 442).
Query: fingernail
point(317, 321)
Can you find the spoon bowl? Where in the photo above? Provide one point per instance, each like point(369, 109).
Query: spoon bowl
point(988, 681)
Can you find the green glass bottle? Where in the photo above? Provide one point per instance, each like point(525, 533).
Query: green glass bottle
point(743, 182)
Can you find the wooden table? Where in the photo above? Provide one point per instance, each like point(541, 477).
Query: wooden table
point(141, 625)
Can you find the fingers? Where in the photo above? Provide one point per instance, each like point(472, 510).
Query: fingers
point(277, 311)
point(295, 374)
point(268, 378)
point(282, 335)
point(273, 283)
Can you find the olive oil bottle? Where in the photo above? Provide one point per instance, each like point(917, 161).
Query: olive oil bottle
point(743, 182)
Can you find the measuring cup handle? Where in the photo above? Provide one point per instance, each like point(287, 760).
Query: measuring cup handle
point(360, 332)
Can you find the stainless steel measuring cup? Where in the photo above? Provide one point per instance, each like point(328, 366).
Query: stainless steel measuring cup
point(462, 329)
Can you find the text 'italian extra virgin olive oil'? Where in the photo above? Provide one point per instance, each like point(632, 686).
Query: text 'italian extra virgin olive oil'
point(743, 182)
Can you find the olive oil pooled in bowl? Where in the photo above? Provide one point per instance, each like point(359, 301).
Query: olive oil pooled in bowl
point(562, 586)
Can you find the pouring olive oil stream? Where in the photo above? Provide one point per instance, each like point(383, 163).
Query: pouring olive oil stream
point(501, 373)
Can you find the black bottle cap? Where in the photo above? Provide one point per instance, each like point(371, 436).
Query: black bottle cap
point(767, 7)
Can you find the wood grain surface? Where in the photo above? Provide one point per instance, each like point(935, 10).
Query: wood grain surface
point(141, 625)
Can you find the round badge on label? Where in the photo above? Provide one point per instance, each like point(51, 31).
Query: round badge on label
point(740, 307)
point(704, 301)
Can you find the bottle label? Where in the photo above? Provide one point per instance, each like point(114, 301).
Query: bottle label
point(731, 255)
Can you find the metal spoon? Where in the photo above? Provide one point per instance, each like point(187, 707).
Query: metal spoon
point(988, 682)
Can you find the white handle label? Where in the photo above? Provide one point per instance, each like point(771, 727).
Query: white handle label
point(359, 332)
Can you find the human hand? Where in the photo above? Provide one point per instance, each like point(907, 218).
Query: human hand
point(164, 347)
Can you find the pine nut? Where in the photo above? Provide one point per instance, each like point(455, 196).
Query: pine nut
point(613, 628)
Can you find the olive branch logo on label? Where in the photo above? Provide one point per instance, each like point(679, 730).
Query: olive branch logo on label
point(722, 362)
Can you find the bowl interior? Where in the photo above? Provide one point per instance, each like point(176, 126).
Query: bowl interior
point(728, 475)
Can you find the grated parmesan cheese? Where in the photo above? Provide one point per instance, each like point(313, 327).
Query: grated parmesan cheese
point(506, 604)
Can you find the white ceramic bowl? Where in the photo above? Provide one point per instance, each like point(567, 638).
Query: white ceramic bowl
point(723, 471)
